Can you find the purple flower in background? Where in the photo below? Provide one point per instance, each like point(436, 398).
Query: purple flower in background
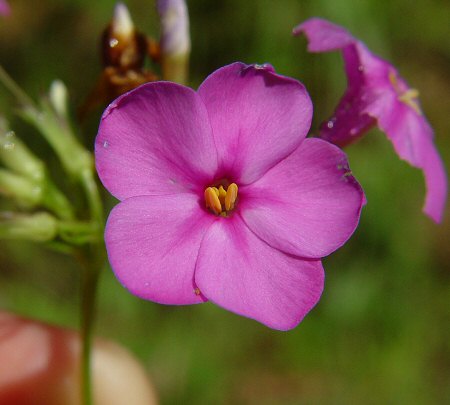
point(4, 8)
point(376, 94)
point(222, 197)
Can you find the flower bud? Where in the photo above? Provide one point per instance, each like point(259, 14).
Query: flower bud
point(175, 40)
point(39, 227)
point(58, 97)
point(26, 192)
point(122, 45)
point(17, 157)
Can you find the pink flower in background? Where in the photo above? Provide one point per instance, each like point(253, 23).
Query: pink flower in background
point(377, 94)
point(4, 8)
point(222, 197)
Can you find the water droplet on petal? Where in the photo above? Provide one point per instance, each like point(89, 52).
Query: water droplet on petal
point(264, 66)
point(330, 124)
point(105, 144)
point(361, 68)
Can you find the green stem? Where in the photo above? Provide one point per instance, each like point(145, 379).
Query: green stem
point(12, 86)
point(56, 201)
point(93, 196)
point(175, 68)
point(95, 256)
point(89, 282)
point(78, 232)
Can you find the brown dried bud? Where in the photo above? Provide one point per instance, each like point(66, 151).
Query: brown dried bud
point(122, 45)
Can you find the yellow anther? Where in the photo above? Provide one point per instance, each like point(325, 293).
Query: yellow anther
point(221, 201)
point(393, 80)
point(212, 201)
point(231, 196)
point(410, 97)
point(222, 194)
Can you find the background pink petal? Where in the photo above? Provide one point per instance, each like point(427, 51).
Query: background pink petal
point(257, 116)
point(307, 205)
point(155, 140)
point(373, 96)
point(4, 7)
point(412, 138)
point(153, 243)
point(241, 273)
point(364, 73)
point(323, 35)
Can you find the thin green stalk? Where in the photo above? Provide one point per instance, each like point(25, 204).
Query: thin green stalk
point(89, 283)
point(12, 86)
point(95, 259)
point(78, 162)
point(93, 196)
point(78, 232)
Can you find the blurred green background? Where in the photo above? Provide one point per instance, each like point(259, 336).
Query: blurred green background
point(380, 334)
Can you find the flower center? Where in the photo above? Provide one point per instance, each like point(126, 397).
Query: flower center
point(221, 201)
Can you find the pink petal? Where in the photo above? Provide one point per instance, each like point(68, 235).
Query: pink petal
point(323, 36)
point(412, 138)
point(308, 205)
point(241, 273)
point(257, 116)
point(374, 96)
point(4, 8)
point(153, 243)
point(155, 140)
point(349, 121)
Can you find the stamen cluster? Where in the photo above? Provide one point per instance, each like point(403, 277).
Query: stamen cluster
point(221, 201)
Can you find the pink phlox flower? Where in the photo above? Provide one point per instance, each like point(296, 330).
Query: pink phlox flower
point(4, 7)
point(377, 94)
point(222, 197)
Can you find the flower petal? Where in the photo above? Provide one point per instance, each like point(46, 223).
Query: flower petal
point(323, 36)
point(238, 271)
point(308, 205)
point(4, 7)
point(155, 140)
point(412, 138)
point(152, 244)
point(350, 120)
point(377, 94)
point(257, 116)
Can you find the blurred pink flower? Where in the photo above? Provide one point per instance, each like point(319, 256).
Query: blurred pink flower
point(222, 197)
point(377, 94)
point(4, 8)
